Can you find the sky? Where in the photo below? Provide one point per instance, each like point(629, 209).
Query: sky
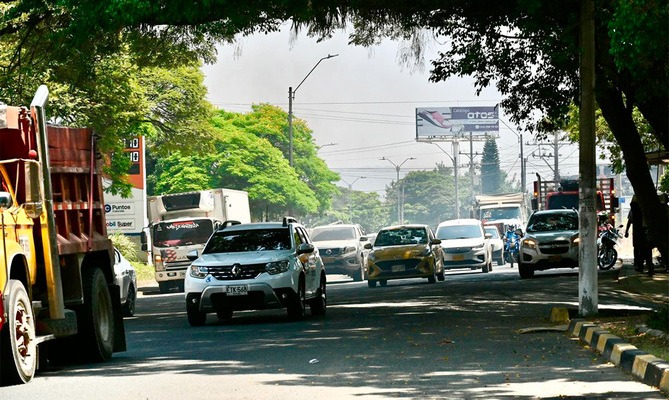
point(361, 106)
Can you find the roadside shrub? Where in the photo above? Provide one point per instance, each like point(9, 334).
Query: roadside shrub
point(125, 246)
point(659, 319)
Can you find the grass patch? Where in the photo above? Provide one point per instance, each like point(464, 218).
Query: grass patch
point(624, 327)
point(144, 271)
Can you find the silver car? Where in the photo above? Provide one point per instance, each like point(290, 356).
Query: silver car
point(551, 241)
point(126, 279)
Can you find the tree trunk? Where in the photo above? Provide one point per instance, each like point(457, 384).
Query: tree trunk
point(623, 128)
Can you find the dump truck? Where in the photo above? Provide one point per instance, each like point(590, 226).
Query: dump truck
point(181, 222)
point(563, 194)
point(59, 299)
point(501, 210)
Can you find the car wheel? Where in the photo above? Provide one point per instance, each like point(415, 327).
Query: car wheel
point(440, 275)
point(296, 308)
point(319, 304)
point(18, 347)
point(485, 269)
point(383, 282)
point(195, 316)
point(131, 298)
point(359, 274)
point(525, 271)
point(224, 315)
point(500, 261)
point(371, 283)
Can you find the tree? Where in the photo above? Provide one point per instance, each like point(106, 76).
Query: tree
point(491, 175)
point(355, 207)
point(427, 196)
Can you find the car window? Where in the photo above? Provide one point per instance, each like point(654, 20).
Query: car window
point(304, 237)
point(459, 232)
point(403, 236)
point(493, 231)
point(248, 240)
point(552, 222)
point(333, 233)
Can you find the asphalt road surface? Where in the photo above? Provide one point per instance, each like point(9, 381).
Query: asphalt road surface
point(457, 339)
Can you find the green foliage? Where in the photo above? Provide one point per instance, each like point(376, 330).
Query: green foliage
point(355, 207)
point(125, 246)
point(660, 319)
point(428, 196)
point(491, 175)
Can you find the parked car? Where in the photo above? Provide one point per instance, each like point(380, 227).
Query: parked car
point(406, 251)
point(465, 244)
point(126, 279)
point(551, 241)
point(496, 243)
point(342, 248)
point(263, 265)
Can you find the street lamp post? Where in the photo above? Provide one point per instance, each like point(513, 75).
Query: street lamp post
point(455, 173)
point(400, 218)
point(291, 96)
point(350, 185)
point(350, 188)
point(325, 145)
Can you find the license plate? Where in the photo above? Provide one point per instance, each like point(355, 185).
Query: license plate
point(458, 257)
point(397, 268)
point(327, 259)
point(237, 290)
point(554, 259)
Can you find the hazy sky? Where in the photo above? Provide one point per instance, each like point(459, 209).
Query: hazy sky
point(363, 101)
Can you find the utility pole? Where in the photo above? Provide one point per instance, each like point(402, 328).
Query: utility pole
point(454, 159)
point(587, 272)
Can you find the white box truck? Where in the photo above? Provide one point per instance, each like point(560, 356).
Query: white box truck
point(181, 222)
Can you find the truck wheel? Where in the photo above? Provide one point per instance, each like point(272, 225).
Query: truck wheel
point(319, 304)
point(164, 287)
point(129, 306)
point(96, 317)
point(18, 348)
point(296, 308)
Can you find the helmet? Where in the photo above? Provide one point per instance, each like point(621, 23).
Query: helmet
point(510, 228)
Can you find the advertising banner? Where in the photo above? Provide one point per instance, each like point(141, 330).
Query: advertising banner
point(440, 122)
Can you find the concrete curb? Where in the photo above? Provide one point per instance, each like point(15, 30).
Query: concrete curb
point(647, 368)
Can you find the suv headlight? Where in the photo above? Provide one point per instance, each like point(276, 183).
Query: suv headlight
point(277, 267)
point(575, 241)
point(530, 243)
point(347, 250)
point(197, 271)
point(478, 246)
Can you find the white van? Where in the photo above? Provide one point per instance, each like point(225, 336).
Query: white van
point(465, 244)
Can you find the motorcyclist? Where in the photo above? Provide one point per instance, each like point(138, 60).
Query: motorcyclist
point(510, 236)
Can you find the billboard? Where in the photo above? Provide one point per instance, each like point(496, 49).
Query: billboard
point(444, 122)
point(128, 215)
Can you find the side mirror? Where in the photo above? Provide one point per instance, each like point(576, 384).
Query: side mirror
point(488, 235)
point(192, 255)
point(435, 241)
point(5, 200)
point(519, 232)
point(305, 248)
point(368, 246)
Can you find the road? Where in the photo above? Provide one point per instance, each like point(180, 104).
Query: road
point(456, 339)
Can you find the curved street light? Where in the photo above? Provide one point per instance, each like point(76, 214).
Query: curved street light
point(291, 96)
point(400, 213)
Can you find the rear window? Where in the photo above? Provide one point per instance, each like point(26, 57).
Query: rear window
point(248, 240)
point(459, 232)
point(493, 231)
point(568, 201)
point(546, 222)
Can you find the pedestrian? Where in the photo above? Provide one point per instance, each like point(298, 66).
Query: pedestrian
point(640, 238)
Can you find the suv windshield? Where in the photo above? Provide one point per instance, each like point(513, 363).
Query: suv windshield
point(501, 213)
point(248, 240)
point(332, 233)
point(553, 222)
point(403, 236)
point(459, 232)
point(182, 233)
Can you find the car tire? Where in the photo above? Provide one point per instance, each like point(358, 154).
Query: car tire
point(359, 274)
point(383, 282)
point(296, 308)
point(441, 276)
point(131, 298)
point(485, 269)
point(525, 271)
point(500, 261)
point(319, 304)
point(371, 283)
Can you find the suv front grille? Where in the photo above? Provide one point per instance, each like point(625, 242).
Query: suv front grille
point(554, 247)
point(236, 271)
point(329, 252)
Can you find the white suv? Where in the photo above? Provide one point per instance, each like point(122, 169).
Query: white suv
point(465, 244)
point(342, 248)
point(255, 266)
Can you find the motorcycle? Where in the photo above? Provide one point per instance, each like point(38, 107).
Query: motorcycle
point(607, 255)
point(511, 247)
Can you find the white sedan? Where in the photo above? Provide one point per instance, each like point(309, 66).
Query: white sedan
point(126, 279)
point(496, 242)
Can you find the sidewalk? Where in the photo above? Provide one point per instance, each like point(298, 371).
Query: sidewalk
point(654, 289)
